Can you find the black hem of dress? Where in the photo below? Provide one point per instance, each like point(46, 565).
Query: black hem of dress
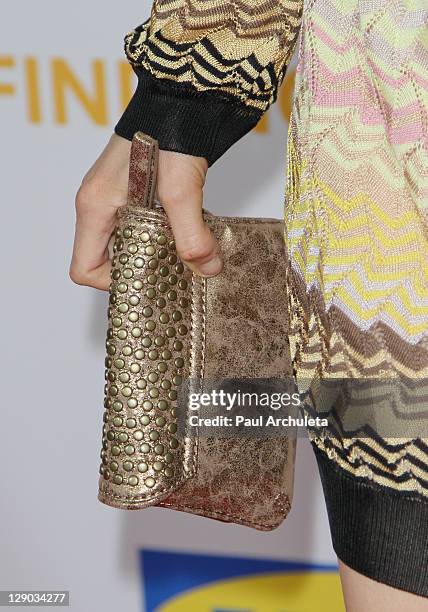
point(376, 532)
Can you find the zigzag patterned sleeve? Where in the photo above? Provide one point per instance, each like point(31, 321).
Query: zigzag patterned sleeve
point(207, 70)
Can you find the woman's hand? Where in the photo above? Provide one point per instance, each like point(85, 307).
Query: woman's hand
point(104, 189)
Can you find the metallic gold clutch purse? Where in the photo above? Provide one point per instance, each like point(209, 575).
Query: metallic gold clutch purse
point(167, 325)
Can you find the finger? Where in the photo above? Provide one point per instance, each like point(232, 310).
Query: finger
point(90, 263)
point(196, 245)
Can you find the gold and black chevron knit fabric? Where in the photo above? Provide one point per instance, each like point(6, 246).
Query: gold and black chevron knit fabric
point(207, 70)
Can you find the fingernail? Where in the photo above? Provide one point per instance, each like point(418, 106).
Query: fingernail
point(212, 267)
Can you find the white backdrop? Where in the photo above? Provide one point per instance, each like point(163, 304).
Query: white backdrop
point(54, 532)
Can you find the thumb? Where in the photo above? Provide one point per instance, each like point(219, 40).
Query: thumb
point(180, 191)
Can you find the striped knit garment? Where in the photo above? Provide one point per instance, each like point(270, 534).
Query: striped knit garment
point(356, 231)
point(357, 216)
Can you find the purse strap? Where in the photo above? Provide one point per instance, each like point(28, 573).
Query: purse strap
point(143, 166)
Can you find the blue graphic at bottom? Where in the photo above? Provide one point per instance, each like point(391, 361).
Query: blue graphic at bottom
point(187, 582)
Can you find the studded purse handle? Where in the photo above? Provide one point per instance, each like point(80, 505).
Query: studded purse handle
point(152, 312)
point(143, 166)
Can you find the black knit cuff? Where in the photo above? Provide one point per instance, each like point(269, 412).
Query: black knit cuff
point(182, 119)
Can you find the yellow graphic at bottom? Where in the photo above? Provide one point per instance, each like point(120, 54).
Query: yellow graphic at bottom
point(278, 592)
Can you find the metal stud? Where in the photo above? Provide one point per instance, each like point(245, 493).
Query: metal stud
point(131, 423)
point(164, 317)
point(115, 451)
point(127, 350)
point(147, 311)
point(169, 458)
point(132, 248)
point(166, 354)
point(162, 367)
point(123, 437)
point(153, 264)
point(162, 253)
point(145, 448)
point(126, 391)
point(122, 287)
point(163, 287)
point(138, 262)
point(178, 345)
point(141, 383)
point(142, 467)
point(136, 332)
point(123, 307)
point(133, 480)
point(161, 302)
point(128, 465)
point(122, 334)
point(161, 239)
point(151, 293)
point(170, 332)
point(172, 295)
point(152, 279)
point(153, 377)
point(150, 325)
point(128, 273)
point(145, 419)
point(182, 284)
point(138, 435)
point(145, 237)
point(147, 405)
point(137, 284)
point(132, 403)
point(162, 404)
point(150, 482)
point(159, 449)
point(134, 300)
point(146, 341)
point(130, 450)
